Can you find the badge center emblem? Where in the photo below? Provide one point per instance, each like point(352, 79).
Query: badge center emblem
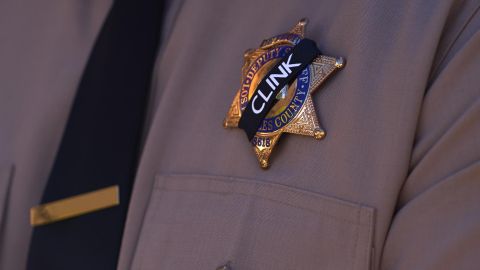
point(293, 111)
point(290, 99)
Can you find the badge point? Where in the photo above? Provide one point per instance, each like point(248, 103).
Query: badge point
point(264, 164)
point(340, 62)
point(319, 134)
point(247, 53)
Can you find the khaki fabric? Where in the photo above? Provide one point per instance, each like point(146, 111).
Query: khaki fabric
point(394, 185)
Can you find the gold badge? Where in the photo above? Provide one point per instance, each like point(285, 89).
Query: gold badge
point(294, 111)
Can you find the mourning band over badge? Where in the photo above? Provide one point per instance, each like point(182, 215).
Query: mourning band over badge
point(283, 73)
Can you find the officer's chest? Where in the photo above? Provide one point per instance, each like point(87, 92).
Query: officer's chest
point(322, 204)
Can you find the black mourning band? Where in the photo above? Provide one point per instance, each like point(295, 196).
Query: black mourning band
point(283, 73)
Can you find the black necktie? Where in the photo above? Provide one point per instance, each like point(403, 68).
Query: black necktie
point(101, 142)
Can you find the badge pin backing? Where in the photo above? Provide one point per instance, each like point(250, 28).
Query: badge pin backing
point(278, 79)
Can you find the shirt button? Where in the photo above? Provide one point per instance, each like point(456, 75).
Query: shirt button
point(224, 267)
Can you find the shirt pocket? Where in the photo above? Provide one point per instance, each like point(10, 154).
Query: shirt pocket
point(203, 222)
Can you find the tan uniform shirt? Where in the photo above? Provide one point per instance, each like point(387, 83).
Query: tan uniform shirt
point(394, 185)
